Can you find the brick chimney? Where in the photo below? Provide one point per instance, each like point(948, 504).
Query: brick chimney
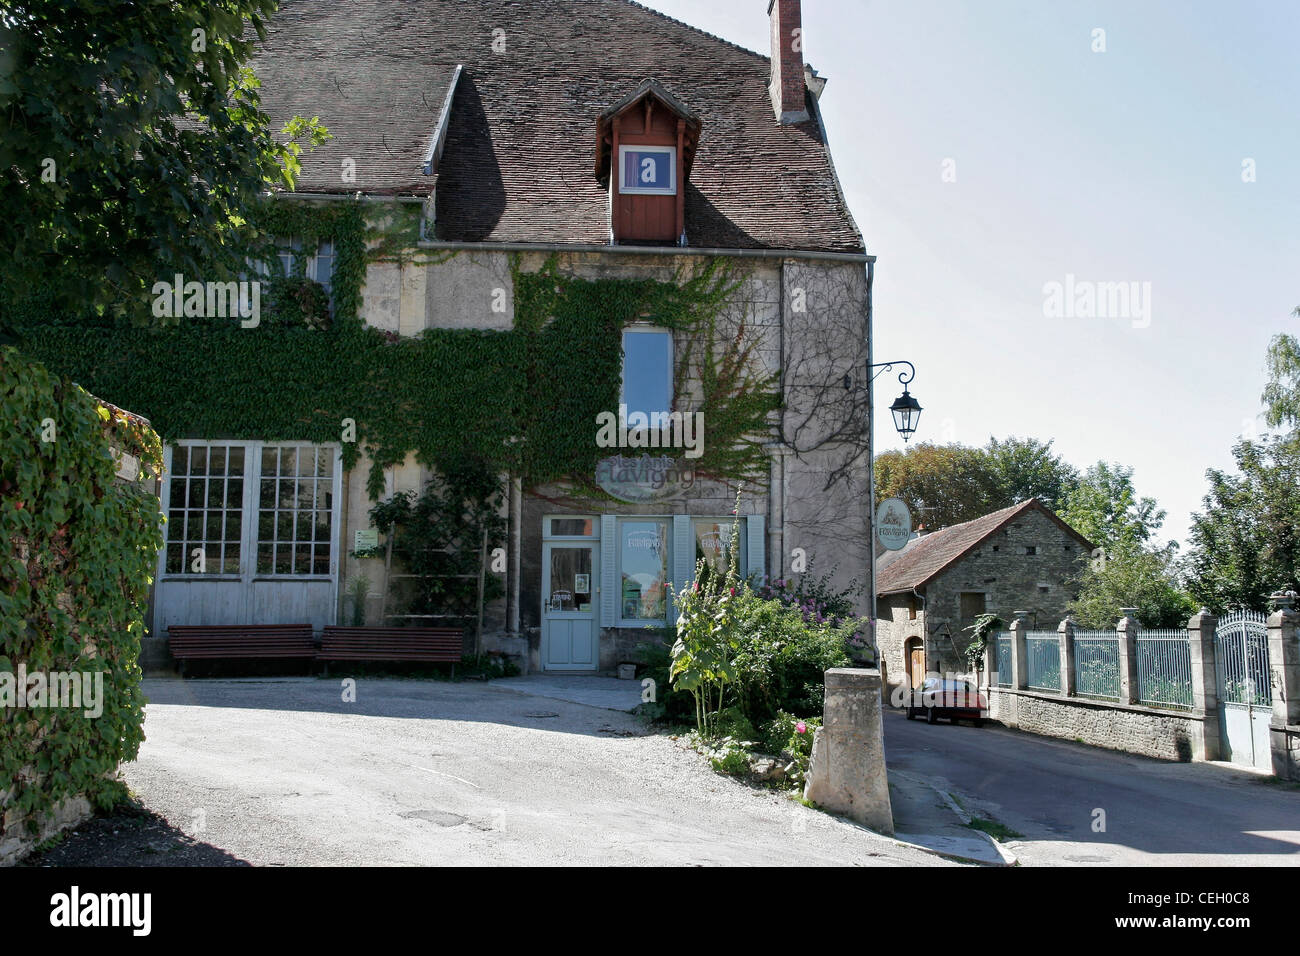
point(787, 85)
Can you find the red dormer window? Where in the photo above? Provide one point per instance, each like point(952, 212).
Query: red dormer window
point(645, 146)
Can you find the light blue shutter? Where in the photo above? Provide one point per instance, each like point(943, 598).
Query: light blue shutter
point(609, 583)
point(683, 567)
point(756, 534)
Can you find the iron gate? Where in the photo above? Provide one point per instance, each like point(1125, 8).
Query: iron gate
point(1245, 697)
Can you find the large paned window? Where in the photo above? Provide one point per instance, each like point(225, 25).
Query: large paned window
point(643, 569)
point(295, 510)
point(264, 505)
point(205, 510)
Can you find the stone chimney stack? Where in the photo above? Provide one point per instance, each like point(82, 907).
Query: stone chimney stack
point(788, 84)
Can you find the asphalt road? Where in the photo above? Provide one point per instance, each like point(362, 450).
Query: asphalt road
point(1154, 812)
point(431, 772)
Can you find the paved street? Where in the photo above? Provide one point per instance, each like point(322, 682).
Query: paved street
point(1048, 790)
point(428, 772)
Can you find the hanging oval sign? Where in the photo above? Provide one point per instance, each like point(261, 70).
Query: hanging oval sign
point(646, 478)
point(893, 523)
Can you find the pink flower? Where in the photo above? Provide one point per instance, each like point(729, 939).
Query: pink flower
point(801, 728)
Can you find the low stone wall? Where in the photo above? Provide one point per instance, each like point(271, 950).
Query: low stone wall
point(1285, 739)
point(1168, 735)
point(16, 842)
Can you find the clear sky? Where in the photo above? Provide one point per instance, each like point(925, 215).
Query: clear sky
point(1117, 166)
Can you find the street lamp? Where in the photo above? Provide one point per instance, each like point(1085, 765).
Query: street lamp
point(906, 409)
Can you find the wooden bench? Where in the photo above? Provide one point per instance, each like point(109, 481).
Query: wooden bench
point(405, 644)
point(240, 642)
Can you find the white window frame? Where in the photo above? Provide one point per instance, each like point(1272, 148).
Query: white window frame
point(670, 151)
point(617, 583)
point(251, 510)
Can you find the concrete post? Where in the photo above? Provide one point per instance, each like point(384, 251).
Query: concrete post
point(1284, 667)
point(846, 774)
point(1019, 650)
point(1068, 682)
point(1205, 680)
point(1128, 664)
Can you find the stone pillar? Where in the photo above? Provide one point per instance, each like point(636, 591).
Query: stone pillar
point(991, 660)
point(1284, 665)
point(1128, 655)
point(1205, 680)
point(1019, 651)
point(846, 774)
point(1068, 682)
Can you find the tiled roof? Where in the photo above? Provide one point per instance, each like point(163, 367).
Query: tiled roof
point(520, 144)
point(925, 557)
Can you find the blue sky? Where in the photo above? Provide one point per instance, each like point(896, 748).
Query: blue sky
point(1116, 166)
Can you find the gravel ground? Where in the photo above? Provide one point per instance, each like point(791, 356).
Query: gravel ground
point(283, 772)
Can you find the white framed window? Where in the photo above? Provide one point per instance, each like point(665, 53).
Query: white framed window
point(251, 509)
point(295, 510)
point(569, 526)
point(647, 387)
point(205, 507)
point(642, 566)
point(647, 170)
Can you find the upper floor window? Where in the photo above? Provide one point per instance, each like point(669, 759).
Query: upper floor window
point(647, 373)
point(648, 169)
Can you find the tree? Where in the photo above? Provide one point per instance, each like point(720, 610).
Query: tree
point(1105, 508)
point(1024, 468)
point(942, 484)
point(133, 147)
point(1281, 396)
point(1245, 545)
point(1130, 575)
point(948, 484)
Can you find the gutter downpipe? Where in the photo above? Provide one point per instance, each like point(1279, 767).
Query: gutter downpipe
point(871, 466)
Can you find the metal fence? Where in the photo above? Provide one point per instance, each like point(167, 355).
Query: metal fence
point(1164, 666)
point(1241, 656)
point(1043, 655)
point(1002, 660)
point(1096, 664)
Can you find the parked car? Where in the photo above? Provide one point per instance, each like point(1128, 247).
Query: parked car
point(954, 699)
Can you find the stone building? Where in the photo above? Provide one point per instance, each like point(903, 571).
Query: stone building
point(602, 140)
point(1022, 558)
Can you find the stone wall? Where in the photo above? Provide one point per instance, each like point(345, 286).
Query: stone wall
point(1134, 729)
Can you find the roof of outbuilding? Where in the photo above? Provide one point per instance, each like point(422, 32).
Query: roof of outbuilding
point(924, 558)
point(518, 159)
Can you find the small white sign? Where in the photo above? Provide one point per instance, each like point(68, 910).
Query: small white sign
point(893, 523)
point(365, 539)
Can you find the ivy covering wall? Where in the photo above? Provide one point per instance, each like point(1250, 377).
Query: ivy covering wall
point(77, 554)
point(522, 401)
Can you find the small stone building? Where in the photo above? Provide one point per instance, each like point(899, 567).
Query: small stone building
point(1022, 558)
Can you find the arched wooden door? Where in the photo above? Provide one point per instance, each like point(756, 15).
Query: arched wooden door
point(916, 661)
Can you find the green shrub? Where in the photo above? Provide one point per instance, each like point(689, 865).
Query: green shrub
point(732, 722)
point(782, 657)
point(734, 761)
point(782, 735)
point(77, 554)
point(655, 658)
